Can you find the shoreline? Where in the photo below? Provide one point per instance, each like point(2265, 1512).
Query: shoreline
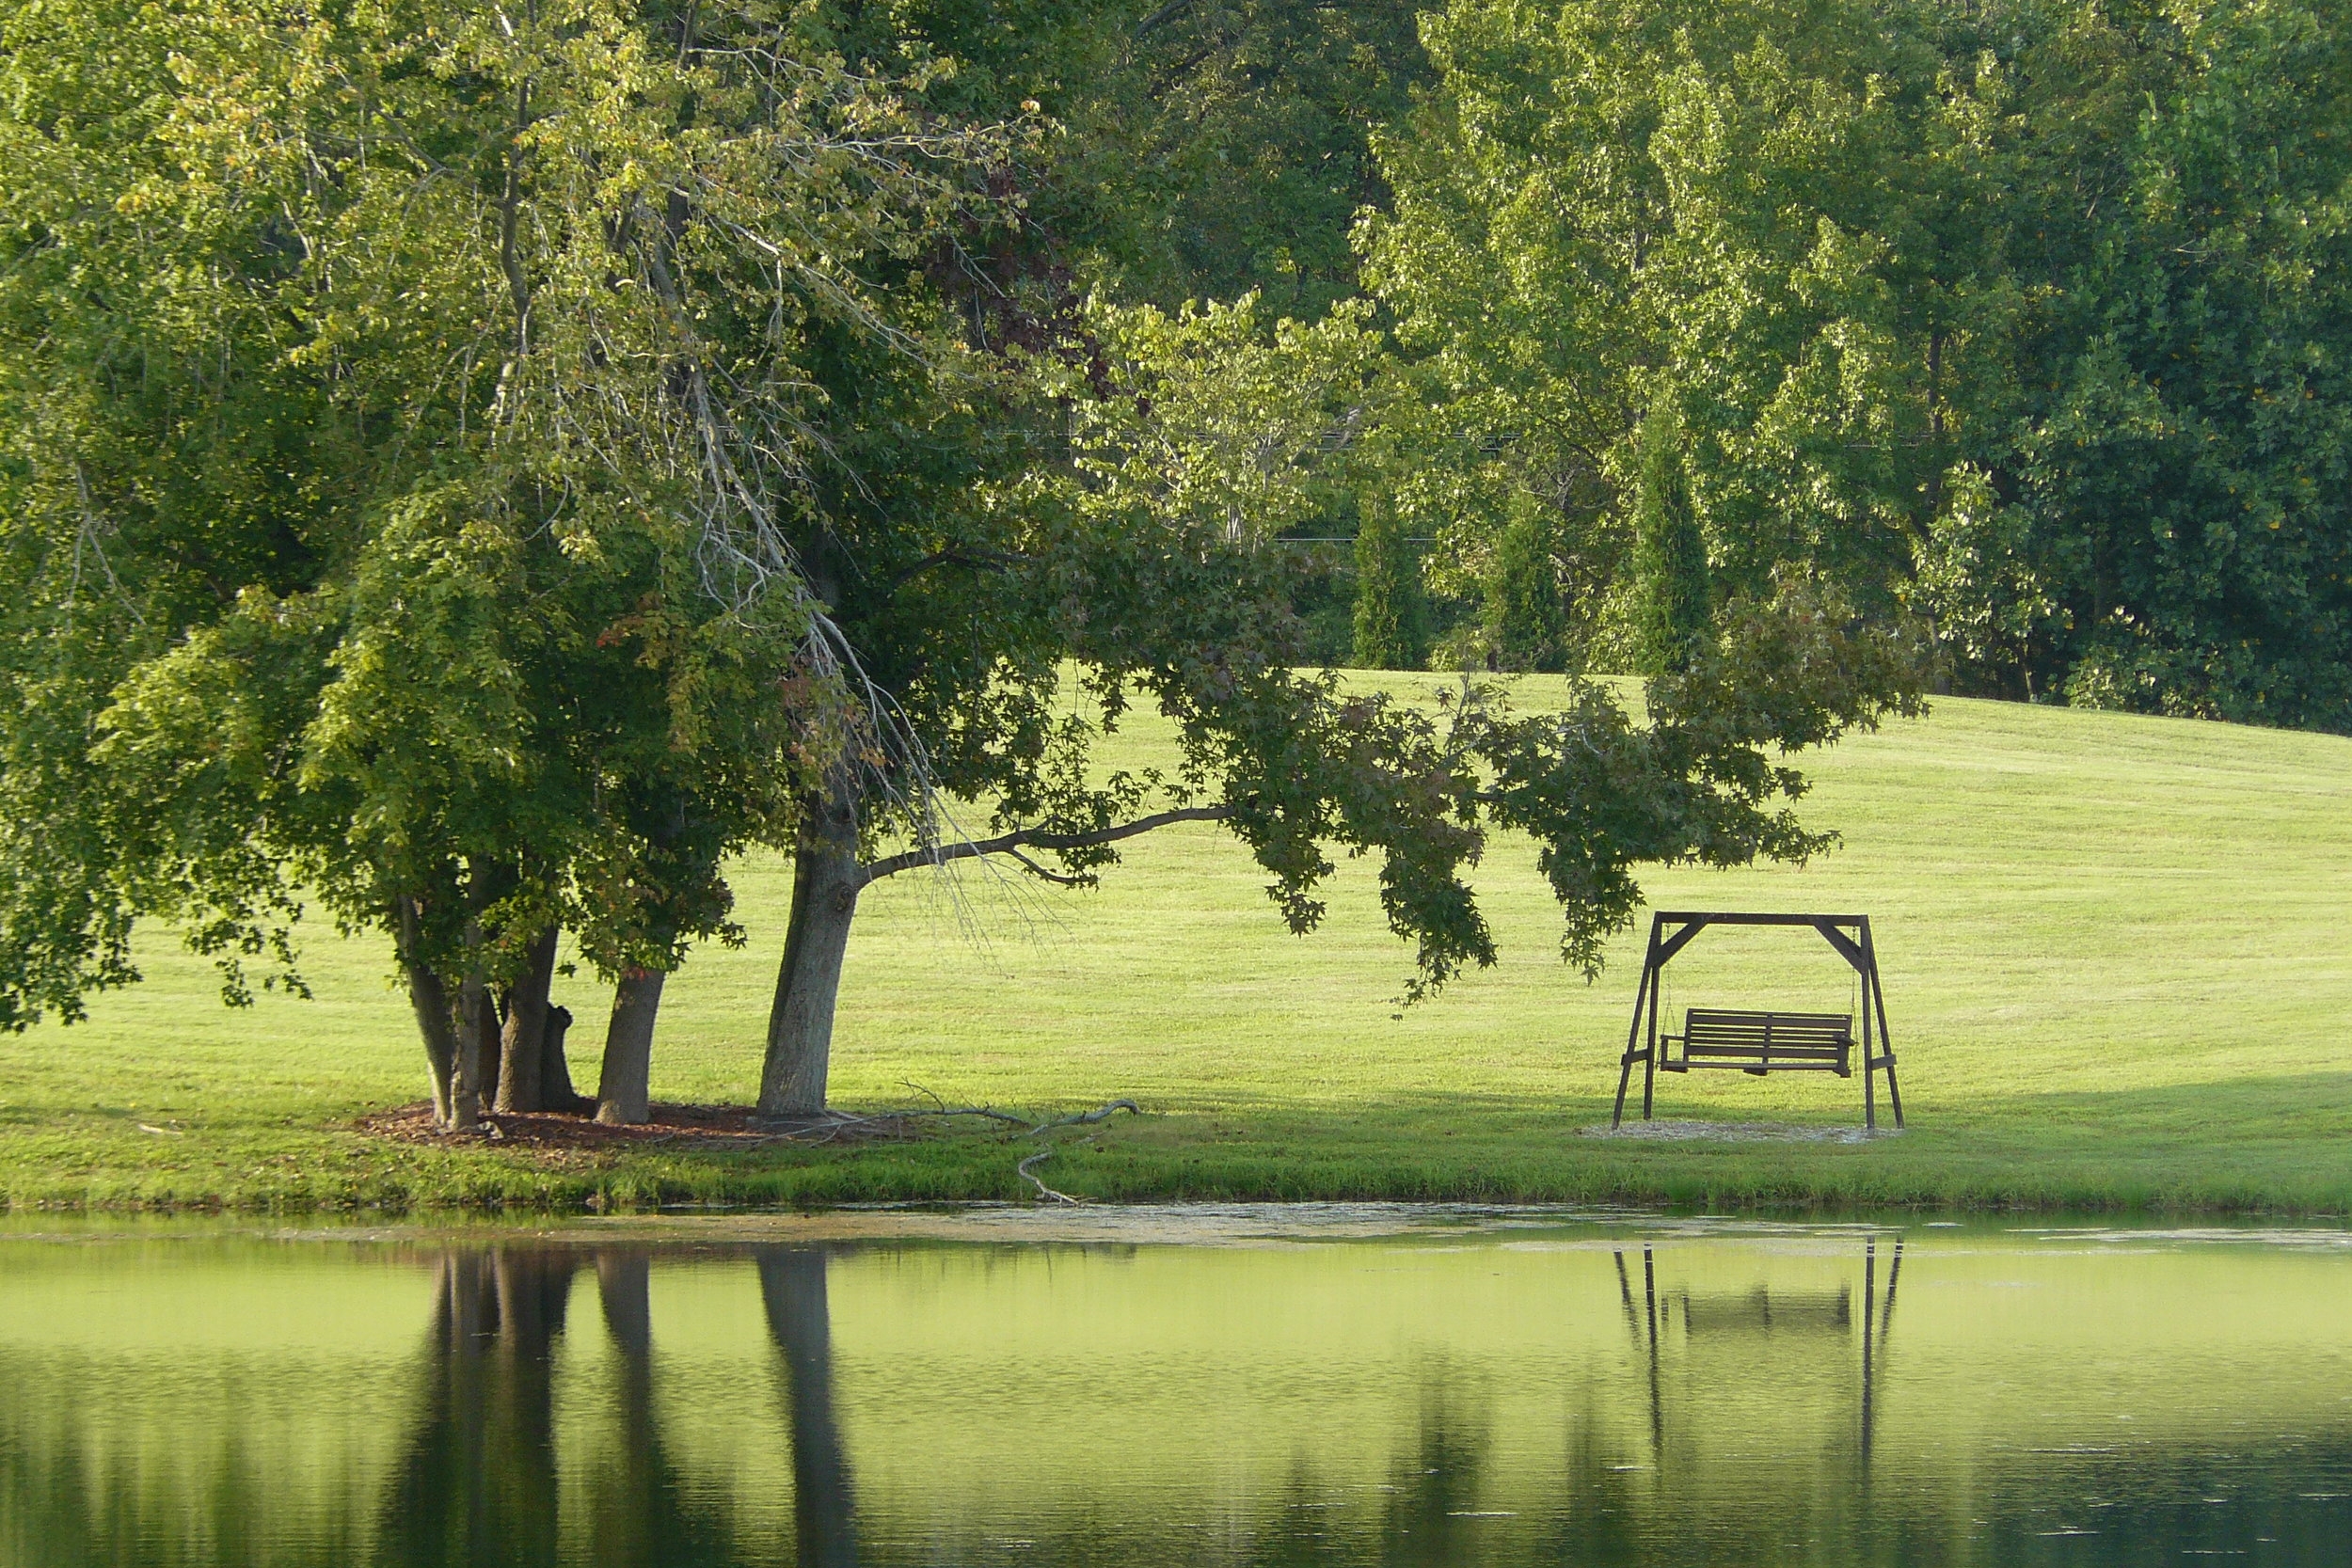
point(1555, 1158)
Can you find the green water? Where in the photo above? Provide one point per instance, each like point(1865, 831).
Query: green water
point(1352, 1386)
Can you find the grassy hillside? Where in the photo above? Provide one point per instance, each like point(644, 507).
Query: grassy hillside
point(2118, 953)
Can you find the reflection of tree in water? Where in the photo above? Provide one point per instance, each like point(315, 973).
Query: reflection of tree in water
point(68, 1500)
point(637, 1508)
point(800, 1321)
point(1433, 1492)
point(477, 1482)
point(1427, 1511)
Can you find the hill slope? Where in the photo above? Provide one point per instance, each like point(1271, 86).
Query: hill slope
point(2118, 953)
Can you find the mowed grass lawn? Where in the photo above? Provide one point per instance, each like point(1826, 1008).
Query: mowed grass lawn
point(2118, 955)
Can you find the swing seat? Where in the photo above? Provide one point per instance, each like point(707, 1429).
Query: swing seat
point(1760, 1043)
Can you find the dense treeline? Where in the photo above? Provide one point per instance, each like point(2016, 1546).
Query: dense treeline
point(480, 470)
point(2027, 319)
point(2024, 320)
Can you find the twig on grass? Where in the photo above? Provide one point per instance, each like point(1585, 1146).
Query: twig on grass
point(836, 1124)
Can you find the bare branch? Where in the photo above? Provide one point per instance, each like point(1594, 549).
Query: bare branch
point(1044, 1193)
point(1087, 1118)
point(1032, 839)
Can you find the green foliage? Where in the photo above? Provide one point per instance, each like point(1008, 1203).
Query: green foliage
point(531, 461)
point(2027, 320)
point(1392, 609)
point(1673, 618)
point(403, 416)
point(1523, 622)
point(1206, 149)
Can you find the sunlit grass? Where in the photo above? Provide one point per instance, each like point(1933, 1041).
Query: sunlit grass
point(2115, 951)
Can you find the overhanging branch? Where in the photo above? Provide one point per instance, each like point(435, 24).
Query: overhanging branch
point(1031, 838)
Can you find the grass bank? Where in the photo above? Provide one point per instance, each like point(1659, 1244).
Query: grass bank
point(2118, 953)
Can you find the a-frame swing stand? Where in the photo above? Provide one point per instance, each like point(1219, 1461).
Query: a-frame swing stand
point(1761, 1042)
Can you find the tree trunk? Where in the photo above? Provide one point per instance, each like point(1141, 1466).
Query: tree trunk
point(523, 1045)
point(555, 1070)
point(477, 1015)
point(430, 998)
point(489, 1022)
point(826, 878)
point(622, 1089)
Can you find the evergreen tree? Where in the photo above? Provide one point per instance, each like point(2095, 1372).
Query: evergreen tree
point(1524, 624)
point(1391, 611)
point(1671, 617)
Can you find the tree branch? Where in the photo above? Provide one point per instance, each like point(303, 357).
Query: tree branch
point(1044, 1193)
point(1031, 838)
point(972, 559)
point(1165, 14)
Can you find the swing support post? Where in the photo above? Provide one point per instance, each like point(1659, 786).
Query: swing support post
point(1758, 1042)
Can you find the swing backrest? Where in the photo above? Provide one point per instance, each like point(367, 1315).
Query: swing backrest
point(1727, 1036)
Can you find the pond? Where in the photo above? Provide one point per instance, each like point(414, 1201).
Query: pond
point(1293, 1386)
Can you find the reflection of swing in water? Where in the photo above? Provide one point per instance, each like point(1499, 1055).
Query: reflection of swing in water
point(1761, 1042)
point(1706, 1315)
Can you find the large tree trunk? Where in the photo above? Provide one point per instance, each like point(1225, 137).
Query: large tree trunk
point(826, 878)
point(523, 1045)
point(430, 999)
point(623, 1088)
point(488, 1023)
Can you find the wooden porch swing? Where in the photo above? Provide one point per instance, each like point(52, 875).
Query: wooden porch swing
point(1760, 1043)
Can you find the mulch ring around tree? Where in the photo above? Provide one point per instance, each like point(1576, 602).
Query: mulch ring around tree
point(697, 1127)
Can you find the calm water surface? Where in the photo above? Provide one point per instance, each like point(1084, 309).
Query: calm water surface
point(1267, 1386)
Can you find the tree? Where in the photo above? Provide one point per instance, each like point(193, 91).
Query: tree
point(1391, 610)
point(2022, 320)
point(1523, 621)
point(1206, 149)
point(479, 471)
point(1137, 569)
point(439, 393)
point(1672, 616)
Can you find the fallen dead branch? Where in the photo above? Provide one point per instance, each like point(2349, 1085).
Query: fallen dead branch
point(832, 1125)
point(1044, 1193)
point(825, 1126)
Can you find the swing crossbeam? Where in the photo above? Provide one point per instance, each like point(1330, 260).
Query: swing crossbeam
point(1759, 1043)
